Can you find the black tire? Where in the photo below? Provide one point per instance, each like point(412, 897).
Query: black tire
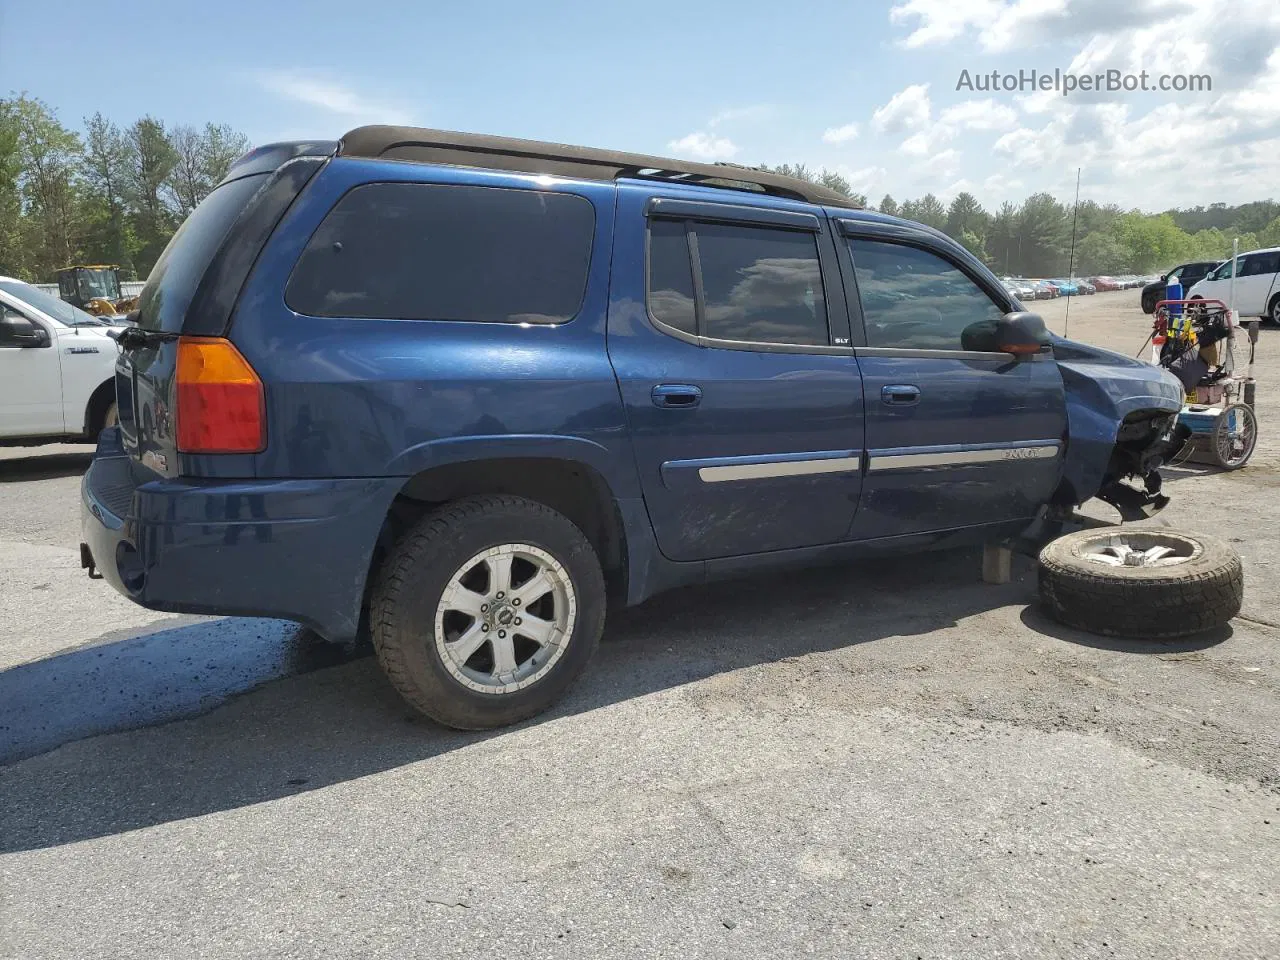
point(1149, 303)
point(412, 580)
point(1197, 594)
point(1273, 311)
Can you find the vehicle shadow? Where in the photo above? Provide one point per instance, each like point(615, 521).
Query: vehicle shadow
point(1034, 618)
point(46, 466)
point(333, 725)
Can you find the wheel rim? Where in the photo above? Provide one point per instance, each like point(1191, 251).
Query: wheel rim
point(1139, 549)
point(1234, 435)
point(505, 618)
point(1275, 311)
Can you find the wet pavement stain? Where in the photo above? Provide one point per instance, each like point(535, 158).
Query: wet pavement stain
point(171, 673)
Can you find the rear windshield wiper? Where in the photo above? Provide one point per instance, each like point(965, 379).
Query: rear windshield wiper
point(134, 338)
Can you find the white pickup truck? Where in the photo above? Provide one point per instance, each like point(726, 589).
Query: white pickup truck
point(57, 368)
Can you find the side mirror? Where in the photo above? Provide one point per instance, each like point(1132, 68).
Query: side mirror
point(1019, 334)
point(17, 331)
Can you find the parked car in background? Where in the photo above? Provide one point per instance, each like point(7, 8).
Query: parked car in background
point(465, 389)
point(1086, 288)
point(1105, 283)
point(1257, 287)
point(57, 368)
point(1045, 290)
point(1024, 290)
point(1068, 288)
point(1188, 274)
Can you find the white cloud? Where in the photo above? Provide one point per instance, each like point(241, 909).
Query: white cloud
point(863, 179)
point(907, 110)
point(979, 115)
point(840, 134)
point(313, 89)
point(703, 146)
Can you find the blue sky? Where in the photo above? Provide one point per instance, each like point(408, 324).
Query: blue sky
point(866, 88)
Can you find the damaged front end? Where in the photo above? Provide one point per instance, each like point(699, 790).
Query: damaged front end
point(1132, 482)
point(1122, 426)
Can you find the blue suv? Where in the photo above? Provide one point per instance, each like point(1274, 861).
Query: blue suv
point(461, 391)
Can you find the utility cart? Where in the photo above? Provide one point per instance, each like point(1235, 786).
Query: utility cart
point(1194, 340)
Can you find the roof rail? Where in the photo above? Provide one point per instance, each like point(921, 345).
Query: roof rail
point(420, 145)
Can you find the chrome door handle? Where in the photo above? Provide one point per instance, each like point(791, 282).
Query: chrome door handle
point(900, 394)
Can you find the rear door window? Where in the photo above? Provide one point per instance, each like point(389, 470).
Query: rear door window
point(751, 284)
point(415, 251)
point(914, 299)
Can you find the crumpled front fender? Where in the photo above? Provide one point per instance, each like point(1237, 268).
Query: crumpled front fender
point(1103, 389)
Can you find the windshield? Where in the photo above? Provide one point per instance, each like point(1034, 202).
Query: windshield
point(59, 310)
point(98, 282)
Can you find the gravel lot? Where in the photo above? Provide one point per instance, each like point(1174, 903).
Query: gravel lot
point(883, 760)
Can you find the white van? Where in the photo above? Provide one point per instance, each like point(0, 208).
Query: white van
point(1257, 286)
point(57, 368)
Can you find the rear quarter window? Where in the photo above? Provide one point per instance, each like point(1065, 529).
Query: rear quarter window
point(414, 251)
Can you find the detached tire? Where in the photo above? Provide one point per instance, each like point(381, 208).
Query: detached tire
point(1142, 583)
point(487, 610)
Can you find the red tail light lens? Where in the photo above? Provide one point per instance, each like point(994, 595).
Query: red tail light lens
point(220, 401)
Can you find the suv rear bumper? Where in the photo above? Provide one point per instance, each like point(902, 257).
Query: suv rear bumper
point(294, 549)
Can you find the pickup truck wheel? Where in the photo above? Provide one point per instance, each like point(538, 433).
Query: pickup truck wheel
point(487, 610)
point(1140, 583)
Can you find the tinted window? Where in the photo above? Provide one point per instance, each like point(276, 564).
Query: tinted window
point(761, 285)
point(1259, 263)
point(418, 251)
point(671, 297)
point(914, 299)
point(172, 283)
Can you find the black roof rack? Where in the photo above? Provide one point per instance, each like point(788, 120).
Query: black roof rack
point(420, 145)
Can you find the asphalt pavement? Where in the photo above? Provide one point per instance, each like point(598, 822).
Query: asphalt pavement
point(889, 759)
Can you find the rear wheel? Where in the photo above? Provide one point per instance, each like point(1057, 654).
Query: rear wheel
point(1273, 312)
point(487, 611)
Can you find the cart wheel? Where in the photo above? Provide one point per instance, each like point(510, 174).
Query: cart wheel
point(1234, 436)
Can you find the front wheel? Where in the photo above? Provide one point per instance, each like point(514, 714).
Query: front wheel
point(1144, 583)
point(487, 610)
point(1274, 312)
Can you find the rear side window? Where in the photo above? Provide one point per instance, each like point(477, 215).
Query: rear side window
point(415, 251)
point(172, 283)
point(671, 295)
point(758, 284)
point(914, 299)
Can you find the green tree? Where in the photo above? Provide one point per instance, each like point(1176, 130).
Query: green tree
point(931, 212)
point(889, 206)
point(104, 170)
point(1004, 241)
point(12, 249)
point(50, 155)
point(965, 215)
point(1043, 232)
point(974, 244)
point(151, 159)
point(1100, 252)
point(1152, 241)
